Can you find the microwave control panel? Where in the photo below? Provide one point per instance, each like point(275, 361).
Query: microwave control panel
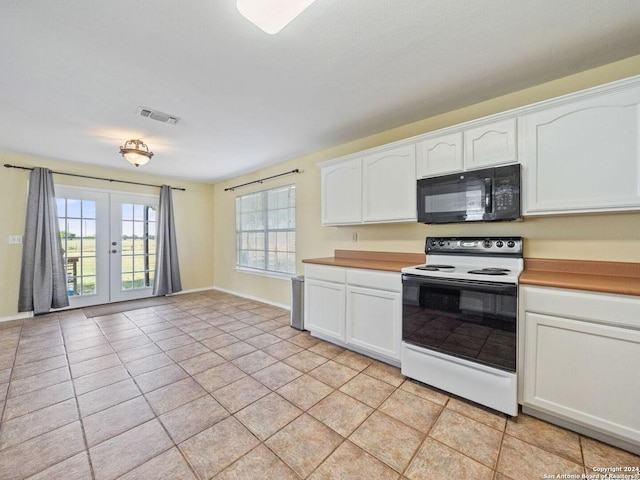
point(506, 190)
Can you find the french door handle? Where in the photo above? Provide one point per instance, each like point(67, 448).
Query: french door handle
point(114, 251)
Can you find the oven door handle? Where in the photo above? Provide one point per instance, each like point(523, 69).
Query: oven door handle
point(478, 285)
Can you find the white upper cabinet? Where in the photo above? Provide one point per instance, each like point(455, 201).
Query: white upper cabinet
point(580, 153)
point(584, 155)
point(440, 155)
point(389, 185)
point(378, 188)
point(483, 146)
point(491, 144)
point(342, 193)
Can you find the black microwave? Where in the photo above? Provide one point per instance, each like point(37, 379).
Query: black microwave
point(487, 195)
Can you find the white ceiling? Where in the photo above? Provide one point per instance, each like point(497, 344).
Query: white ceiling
point(74, 72)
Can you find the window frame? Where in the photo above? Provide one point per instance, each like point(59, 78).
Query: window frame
point(265, 209)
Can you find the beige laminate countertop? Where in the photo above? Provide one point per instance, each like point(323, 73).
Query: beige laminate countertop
point(605, 277)
point(385, 261)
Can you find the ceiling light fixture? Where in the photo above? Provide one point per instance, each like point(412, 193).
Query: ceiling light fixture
point(271, 15)
point(136, 152)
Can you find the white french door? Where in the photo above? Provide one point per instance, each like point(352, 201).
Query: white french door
point(133, 246)
point(109, 244)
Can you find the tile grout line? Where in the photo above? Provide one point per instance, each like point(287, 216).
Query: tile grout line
point(334, 389)
point(415, 453)
point(232, 318)
point(545, 449)
point(142, 394)
point(80, 418)
point(77, 411)
point(157, 417)
point(495, 469)
point(13, 366)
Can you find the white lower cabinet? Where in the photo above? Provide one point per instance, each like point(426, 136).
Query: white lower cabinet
point(579, 357)
point(324, 302)
point(358, 309)
point(372, 320)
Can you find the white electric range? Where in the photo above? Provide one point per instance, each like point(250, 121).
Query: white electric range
point(459, 318)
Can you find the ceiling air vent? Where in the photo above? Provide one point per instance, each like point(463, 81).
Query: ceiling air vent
point(159, 116)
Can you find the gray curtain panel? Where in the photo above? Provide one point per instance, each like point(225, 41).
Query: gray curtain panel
point(167, 277)
point(43, 278)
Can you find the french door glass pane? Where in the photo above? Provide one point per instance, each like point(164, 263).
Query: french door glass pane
point(138, 246)
point(76, 219)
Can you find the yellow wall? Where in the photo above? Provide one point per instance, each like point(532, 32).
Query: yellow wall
point(205, 214)
point(606, 237)
point(193, 216)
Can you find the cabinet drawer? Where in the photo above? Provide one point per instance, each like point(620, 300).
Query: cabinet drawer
point(611, 309)
point(389, 281)
point(327, 274)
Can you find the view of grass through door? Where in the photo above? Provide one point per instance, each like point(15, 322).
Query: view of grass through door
point(138, 246)
point(109, 244)
point(77, 222)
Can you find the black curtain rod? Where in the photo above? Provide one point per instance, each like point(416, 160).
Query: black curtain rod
point(95, 178)
point(262, 180)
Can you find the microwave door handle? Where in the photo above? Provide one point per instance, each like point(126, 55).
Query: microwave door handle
point(488, 195)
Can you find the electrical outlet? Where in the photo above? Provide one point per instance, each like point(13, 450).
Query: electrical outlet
point(354, 237)
point(15, 239)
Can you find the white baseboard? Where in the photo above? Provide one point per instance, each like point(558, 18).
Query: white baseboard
point(25, 315)
point(20, 316)
point(193, 290)
point(251, 297)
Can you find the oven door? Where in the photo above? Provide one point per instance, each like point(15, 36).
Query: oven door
point(474, 320)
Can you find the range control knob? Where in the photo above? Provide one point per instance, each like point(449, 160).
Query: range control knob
point(511, 244)
point(442, 244)
point(499, 243)
point(487, 244)
point(434, 243)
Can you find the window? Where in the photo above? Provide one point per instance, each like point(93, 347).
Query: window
point(266, 230)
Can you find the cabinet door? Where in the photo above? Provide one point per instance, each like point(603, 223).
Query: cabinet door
point(324, 308)
point(389, 185)
point(374, 320)
point(342, 193)
point(584, 372)
point(583, 156)
point(490, 144)
point(440, 155)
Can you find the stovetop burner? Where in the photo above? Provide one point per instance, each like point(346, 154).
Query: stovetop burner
point(434, 268)
point(490, 271)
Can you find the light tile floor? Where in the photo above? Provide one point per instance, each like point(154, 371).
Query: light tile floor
point(216, 386)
